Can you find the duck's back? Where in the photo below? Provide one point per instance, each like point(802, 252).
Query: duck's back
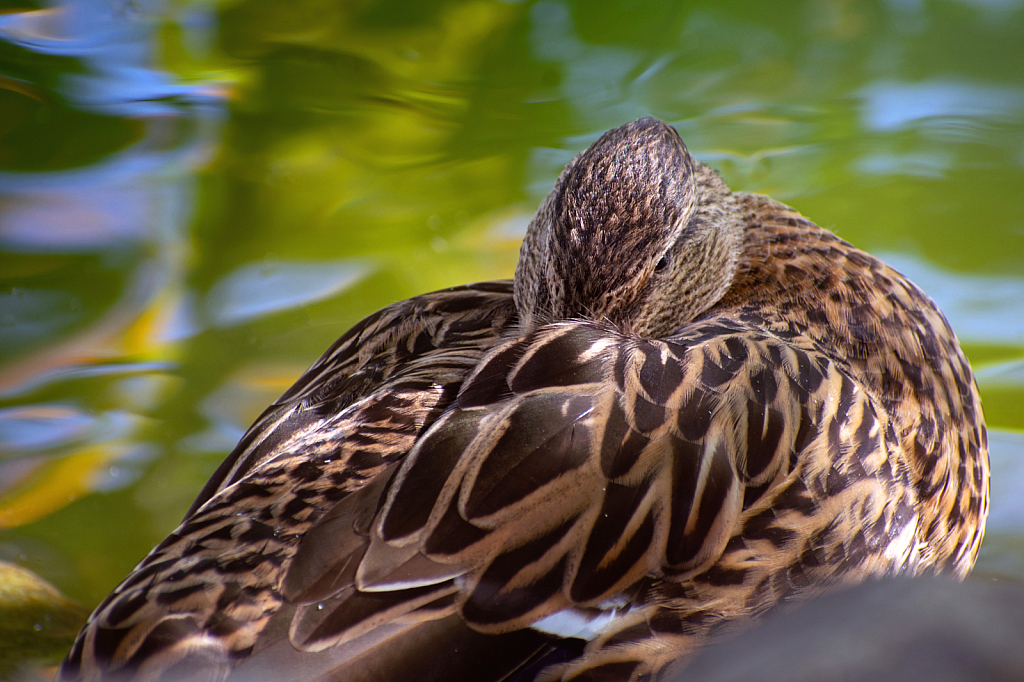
point(444, 496)
point(805, 284)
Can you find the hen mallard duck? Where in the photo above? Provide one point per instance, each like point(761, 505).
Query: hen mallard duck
point(689, 407)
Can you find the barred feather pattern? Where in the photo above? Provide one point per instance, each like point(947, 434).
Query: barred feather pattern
point(200, 599)
point(444, 490)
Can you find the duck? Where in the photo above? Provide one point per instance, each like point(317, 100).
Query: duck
point(689, 408)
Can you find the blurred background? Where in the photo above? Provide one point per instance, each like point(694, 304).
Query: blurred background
point(198, 196)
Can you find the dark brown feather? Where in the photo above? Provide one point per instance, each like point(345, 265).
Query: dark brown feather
point(691, 407)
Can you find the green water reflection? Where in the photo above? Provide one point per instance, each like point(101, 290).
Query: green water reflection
point(196, 199)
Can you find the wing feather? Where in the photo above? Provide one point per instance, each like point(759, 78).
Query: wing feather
point(400, 339)
point(545, 489)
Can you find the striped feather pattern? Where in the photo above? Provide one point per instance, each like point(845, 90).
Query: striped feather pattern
point(463, 488)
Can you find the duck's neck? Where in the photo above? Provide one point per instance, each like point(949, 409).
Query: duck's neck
point(794, 277)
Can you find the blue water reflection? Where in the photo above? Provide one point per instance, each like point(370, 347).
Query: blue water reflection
point(96, 242)
point(596, 77)
point(38, 427)
point(892, 106)
point(260, 289)
point(920, 164)
point(134, 203)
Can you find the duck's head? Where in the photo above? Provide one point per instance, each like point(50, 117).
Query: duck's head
point(636, 232)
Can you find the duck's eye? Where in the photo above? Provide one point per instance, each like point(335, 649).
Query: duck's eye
point(662, 264)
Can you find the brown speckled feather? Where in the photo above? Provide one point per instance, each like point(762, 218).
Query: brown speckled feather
point(585, 480)
point(360, 407)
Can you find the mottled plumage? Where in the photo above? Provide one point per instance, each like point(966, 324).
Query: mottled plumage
point(692, 406)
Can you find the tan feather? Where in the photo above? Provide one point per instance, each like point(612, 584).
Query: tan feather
point(691, 407)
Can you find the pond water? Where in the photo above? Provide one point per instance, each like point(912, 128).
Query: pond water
point(197, 198)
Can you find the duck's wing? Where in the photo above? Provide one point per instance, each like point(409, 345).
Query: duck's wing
point(201, 599)
point(431, 339)
point(578, 467)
